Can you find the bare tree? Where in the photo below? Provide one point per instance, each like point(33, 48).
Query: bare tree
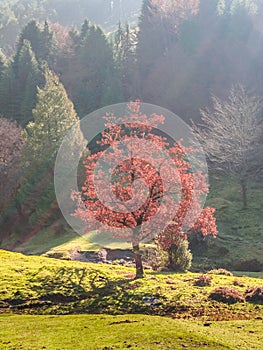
point(230, 134)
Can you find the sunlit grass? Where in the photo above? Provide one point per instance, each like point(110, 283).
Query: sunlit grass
point(44, 285)
point(122, 332)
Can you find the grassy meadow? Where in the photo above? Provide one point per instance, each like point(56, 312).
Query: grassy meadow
point(124, 332)
point(104, 307)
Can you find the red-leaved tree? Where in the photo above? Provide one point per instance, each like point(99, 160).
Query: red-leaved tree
point(139, 182)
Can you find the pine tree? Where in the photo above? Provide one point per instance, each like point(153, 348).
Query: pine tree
point(41, 40)
point(84, 30)
point(3, 80)
point(47, 44)
point(3, 64)
point(99, 84)
point(125, 45)
point(150, 42)
point(25, 76)
point(32, 33)
point(8, 98)
point(53, 116)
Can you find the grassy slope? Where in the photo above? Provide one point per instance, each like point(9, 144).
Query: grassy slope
point(240, 235)
point(42, 285)
point(122, 332)
point(49, 243)
point(38, 285)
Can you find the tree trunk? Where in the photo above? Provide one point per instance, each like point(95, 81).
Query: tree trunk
point(170, 258)
point(138, 261)
point(244, 193)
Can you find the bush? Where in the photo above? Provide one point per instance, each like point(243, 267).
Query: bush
point(179, 257)
point(226, 295)
point(254, 295)
point(220, 272)
point(155, 258)
point(238, 283)
point(203, 281)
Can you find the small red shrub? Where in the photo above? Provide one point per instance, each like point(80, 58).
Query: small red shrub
point(203, 281)
point(220, 272)
point(254, 295)
point(226, 295)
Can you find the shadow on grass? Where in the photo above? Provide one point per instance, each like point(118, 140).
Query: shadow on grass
point(85, 290)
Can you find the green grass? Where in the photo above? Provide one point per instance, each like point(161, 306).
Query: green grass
point(54, 304)
point(39, 285)
point(240, 230)
point(91, 241)
point(125, 332)
point(50, 243)
point(225, 195)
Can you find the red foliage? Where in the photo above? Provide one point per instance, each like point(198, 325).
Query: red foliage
point(203, 281)
point(177, 9)
point(61, 35)
point(226, 295)
point(142, 177)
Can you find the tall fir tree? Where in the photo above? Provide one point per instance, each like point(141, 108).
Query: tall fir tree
point(99, 82)
point(41, 40)
point(125, 41)
point(53, 116)
point(3, 63)
point(25, 76)
point(148, 48)
point(3, 80)
point(157, 33)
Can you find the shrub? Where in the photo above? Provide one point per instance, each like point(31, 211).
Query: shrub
point(203, 281)
point(155, 258)
point(254, 295)
point(179, 257)
point(238, 283)
point(226, 295)
point(220, 272)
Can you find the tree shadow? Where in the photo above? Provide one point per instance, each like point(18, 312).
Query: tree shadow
point(92, 291)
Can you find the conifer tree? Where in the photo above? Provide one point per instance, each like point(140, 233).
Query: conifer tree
point(8, 97)
point(99, 83)
point(125, 45)
point(25, 76)
point(53, 116)
point(151, 44)
point(32, 33)
point(41, 40)
point(3, 63)
point(3, 81)
point(84, 30)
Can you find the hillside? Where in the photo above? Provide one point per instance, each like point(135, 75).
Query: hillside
point(37, 285)
point(41, 285)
